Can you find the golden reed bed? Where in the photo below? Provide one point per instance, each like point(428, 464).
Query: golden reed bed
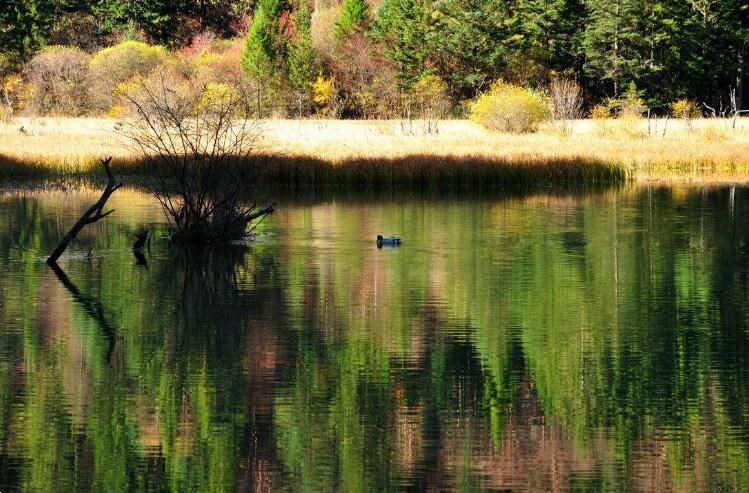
point(660, 150)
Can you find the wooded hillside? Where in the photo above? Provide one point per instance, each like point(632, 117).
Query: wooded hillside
point(666, 49)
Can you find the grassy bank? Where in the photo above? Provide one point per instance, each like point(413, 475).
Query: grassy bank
point(393, 154)
point(408, 172)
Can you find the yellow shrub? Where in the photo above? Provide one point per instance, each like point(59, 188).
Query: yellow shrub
point(323, 90)
point(600, 112)
point(119, 63)
point(685, 108)
point(511, 108)
point(12, 91)
point(130, 52)
point(217, 96)
point(116, 111)
point(431, 97)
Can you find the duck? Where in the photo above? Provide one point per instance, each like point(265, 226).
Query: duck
point(389, 241)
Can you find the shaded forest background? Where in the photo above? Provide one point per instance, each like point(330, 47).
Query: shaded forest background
point(367, 51)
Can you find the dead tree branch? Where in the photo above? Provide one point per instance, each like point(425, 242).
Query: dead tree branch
point(93, 214)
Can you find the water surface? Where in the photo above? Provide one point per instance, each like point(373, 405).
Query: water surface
point(590, 342)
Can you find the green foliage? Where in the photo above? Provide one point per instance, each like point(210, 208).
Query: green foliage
point(465, 38)
point(614, 43)
point(169, 22)
point(510, 108)
point(261, 47)
point(405, 28)
point(669, 48)
point(303, 64)
point(23, 27)
point(354, 16)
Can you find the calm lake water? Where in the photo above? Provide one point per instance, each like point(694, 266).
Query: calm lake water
point(548, 342)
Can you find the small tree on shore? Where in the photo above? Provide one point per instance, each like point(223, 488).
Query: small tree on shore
point(302, 64)
point(198, 145)
point(566, 102)
point(687, 110)
point(429, 97)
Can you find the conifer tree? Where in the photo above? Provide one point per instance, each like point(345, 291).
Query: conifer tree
point(23, 27)
point(404, 28)
point(302, 64)
point(613, 43)
point(354, 15)
point(469, 42)
point(260, 50)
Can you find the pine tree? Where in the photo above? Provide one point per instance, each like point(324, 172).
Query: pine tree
point(302, 64)
point(614, 44)
point(469, 43)
point(403, 28)
point(354, 15)
point(549, 35)
point(23, 27)
point(260, 50)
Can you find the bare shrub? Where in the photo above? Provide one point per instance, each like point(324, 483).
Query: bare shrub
point(197, 143)
point(58, 78)
point(220, 63)
point(364, 77)
point(566, 102)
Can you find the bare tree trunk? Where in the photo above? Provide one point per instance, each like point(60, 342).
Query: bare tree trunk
point(740, 78)
point(93, 214)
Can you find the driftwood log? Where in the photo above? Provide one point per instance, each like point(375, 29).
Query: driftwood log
point(93, 214)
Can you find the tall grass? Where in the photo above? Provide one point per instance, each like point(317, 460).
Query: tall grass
point(412, 172)
point(434, 172)
point(393, 154)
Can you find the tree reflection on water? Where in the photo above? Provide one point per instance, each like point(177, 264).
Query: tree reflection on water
point(539, 343)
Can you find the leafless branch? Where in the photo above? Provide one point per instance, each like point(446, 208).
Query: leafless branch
point(197, 142)
point(92, 215)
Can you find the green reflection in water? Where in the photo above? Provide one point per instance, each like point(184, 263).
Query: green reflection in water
point(592, 342)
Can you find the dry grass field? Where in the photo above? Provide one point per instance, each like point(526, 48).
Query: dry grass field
point(712, 150)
